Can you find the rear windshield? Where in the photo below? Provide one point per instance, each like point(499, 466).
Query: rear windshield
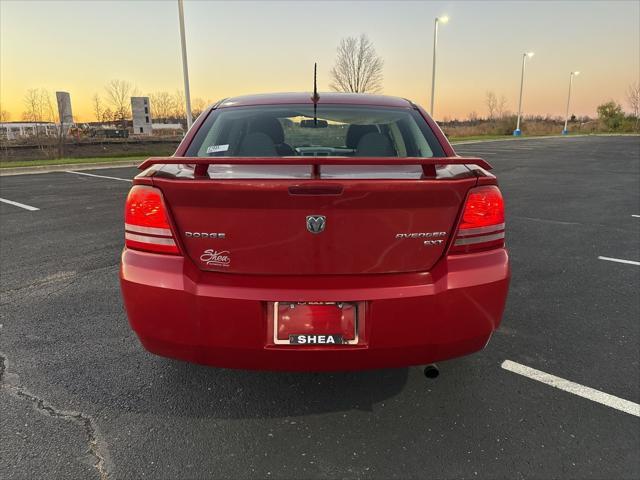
point(333, 130)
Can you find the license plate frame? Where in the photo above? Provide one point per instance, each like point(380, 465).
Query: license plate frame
point(343, 342)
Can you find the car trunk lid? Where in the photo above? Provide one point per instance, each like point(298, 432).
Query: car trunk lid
point(314, 226)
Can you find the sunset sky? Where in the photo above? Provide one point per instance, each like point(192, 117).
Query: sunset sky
point(251, 47)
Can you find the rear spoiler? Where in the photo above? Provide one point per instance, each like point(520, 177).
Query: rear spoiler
point(202, 163)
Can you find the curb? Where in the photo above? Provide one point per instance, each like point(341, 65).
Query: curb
point(541, 137)
point(9, 171)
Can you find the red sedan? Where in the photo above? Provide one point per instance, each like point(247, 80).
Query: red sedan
point(291, 232)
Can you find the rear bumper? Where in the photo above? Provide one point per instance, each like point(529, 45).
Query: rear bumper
point(224, 320)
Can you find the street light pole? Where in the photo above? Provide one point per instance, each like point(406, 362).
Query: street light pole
point(566, 118)
point(185, 68)
point(517, 132)
point(444, 19)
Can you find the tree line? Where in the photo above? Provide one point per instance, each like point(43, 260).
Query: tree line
point(115, 104)
point(112, 106)
point(357, 69)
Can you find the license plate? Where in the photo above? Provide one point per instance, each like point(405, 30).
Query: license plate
point(315, 323)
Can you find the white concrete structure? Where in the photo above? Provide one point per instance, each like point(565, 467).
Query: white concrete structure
point(16, 130)
point(141, 114)
point(64, 109)
point(167, 126)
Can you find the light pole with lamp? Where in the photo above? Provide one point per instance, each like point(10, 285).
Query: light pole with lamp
point(185, 68)
point(517, 132)
point(438, 20)
point(566, 118)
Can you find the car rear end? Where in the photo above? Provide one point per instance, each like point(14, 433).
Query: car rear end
point(328, 258)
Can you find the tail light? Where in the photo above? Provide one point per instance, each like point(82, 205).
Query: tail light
point(146, 222)
point(482, 223)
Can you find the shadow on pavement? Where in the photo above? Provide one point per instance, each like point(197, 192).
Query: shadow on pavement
point(221, 393)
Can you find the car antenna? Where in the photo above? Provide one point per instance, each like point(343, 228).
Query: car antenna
point(315, 97)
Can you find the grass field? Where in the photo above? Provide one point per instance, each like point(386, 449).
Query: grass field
point(69, 161)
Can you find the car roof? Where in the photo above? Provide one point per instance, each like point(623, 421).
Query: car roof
point(325, 98)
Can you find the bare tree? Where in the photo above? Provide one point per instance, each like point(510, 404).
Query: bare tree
point(198, 106)
point(4, 117)
point(491, 102)
point(108, 116)
point(98, 108)
point(119, 93)
point(501, 108)
point(179, 108)
point(358, 68)
point(39, 109)
point(633, 97)
point(473, 116)
point(31, 103)
point(38, 106)
point(162, 105)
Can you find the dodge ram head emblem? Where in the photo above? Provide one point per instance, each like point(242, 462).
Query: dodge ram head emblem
point(316, 223)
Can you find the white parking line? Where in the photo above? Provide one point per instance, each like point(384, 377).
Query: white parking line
point(475, 152)
point(514, 149)
point(18, 204)
point(619, 260)
point(98, 176)
point(636, 216)
point(575, 388)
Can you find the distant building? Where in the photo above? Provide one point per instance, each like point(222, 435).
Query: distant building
point(17, 130)
point(64, 109)
point(141, 114)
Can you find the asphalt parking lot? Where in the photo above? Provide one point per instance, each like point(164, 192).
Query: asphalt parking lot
point(80, 398)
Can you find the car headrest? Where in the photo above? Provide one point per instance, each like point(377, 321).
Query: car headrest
point(355, 133)
point(257, 145)
point(270, 126)
point(375, 145)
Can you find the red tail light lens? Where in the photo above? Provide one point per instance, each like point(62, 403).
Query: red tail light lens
point(146, 223)
point(482, 223)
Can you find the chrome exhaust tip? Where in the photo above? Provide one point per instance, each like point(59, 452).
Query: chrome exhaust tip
point(431, 371)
